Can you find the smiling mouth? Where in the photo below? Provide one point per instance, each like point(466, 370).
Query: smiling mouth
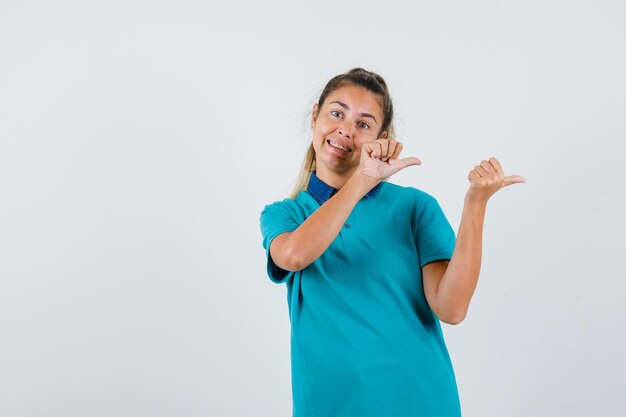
point(337, 146)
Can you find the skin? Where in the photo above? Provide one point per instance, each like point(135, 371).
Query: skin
point(448, 285)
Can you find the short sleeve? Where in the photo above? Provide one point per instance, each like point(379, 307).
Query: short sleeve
point(434, 236)
point(276, 219)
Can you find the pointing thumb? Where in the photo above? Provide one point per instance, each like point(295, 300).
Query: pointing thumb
point(406, 162)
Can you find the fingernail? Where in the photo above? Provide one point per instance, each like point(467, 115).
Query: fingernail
point(392, 161)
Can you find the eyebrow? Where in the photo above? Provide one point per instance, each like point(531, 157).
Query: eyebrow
point(345, 106)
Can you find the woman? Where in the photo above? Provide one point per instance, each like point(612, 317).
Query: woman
point(371, 267)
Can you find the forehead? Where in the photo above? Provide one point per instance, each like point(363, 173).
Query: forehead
point(357, 98)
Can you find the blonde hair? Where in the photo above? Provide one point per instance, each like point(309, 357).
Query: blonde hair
point(356, 76)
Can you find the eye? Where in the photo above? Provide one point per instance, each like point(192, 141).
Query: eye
point(366, 125)
point(335, 111)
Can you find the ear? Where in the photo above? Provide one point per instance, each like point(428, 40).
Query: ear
point(384, 135)
point(316, 108)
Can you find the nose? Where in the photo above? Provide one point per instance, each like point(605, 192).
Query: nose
point(346, 128)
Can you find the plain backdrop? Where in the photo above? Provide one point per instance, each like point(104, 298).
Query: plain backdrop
point(139, 142)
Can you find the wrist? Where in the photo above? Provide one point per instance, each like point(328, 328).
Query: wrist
point(475, 203)
point(363, 182)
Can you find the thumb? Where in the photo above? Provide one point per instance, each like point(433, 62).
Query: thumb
point(513, 179)
point(406, 162)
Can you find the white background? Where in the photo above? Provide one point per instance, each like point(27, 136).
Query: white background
point(139, 142)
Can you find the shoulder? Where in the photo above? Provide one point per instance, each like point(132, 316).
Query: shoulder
point(294, 208)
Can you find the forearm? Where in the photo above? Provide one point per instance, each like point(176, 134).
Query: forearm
point(309, 241)
point(461, 277)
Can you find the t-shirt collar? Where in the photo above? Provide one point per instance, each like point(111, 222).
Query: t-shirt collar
point(322, 191)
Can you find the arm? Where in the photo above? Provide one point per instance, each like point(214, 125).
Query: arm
point(295, 250)
point(449, 285)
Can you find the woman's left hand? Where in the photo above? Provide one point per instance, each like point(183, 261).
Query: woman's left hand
point(487, 178)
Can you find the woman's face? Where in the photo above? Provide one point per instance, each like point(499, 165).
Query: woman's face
point(350, 117)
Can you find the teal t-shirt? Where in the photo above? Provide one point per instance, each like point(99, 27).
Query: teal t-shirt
point(364, 341)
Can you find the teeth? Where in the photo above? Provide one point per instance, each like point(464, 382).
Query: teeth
point(336, 145)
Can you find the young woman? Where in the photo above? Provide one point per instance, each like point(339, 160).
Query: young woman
point(371, 267)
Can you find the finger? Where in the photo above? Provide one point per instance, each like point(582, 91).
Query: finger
point(376, 151)
point(496, 165)
point(473, 175)
point(486, 165)
point(396, 152)
point(368, 147)
point(513, 179)
point(383, 145)
point(481, 171)
point(390, 150)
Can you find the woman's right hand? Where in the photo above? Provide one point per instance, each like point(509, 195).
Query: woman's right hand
point(379, 159)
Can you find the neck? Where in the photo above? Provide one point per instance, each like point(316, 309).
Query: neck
point(332, 178)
